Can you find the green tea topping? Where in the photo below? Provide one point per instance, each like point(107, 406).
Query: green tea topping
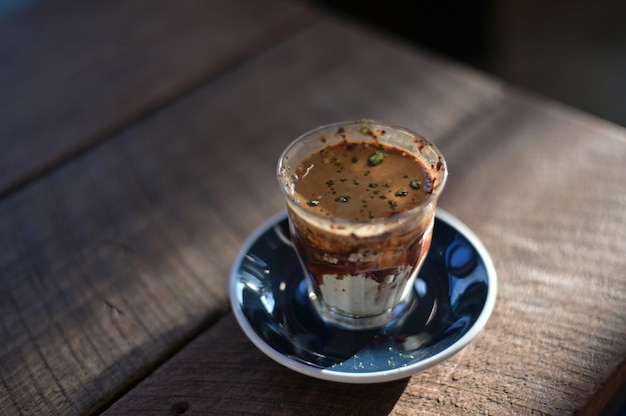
point(376, 158)
point(361, 186)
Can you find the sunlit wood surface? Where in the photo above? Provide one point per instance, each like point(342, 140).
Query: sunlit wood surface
point(138, 143)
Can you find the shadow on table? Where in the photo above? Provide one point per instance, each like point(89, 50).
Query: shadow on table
point(221, 372)
point(254, 383)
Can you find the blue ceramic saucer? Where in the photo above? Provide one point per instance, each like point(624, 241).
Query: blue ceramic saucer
point(455, 293)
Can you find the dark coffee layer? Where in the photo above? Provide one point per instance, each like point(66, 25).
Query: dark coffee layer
point(377, 257)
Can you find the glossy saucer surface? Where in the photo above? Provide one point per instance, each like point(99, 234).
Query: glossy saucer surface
point(454, 296)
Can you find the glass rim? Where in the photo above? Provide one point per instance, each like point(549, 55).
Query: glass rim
point(431, 197)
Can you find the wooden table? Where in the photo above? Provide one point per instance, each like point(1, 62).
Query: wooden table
point(138, 144)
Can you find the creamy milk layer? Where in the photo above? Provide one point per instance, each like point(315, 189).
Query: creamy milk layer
point(370, 297)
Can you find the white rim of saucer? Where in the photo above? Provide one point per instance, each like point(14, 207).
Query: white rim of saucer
point(375, 376)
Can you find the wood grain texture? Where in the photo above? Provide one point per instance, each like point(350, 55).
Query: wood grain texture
point(543, 187)
point(115, 259)
point(548, 199)
point(222, 373)
point(73, 73)
point(555, 343)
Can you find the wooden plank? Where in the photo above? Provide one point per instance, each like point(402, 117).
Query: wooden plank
point(114, 260)
point(228, 376)
point(72, 72)
point(543, 187)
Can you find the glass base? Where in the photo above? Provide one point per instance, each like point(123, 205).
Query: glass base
point(360, 323)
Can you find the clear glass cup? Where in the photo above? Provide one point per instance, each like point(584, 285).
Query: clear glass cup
point(361, 272)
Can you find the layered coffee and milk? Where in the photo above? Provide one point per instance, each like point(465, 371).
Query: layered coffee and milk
point(361, 214)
